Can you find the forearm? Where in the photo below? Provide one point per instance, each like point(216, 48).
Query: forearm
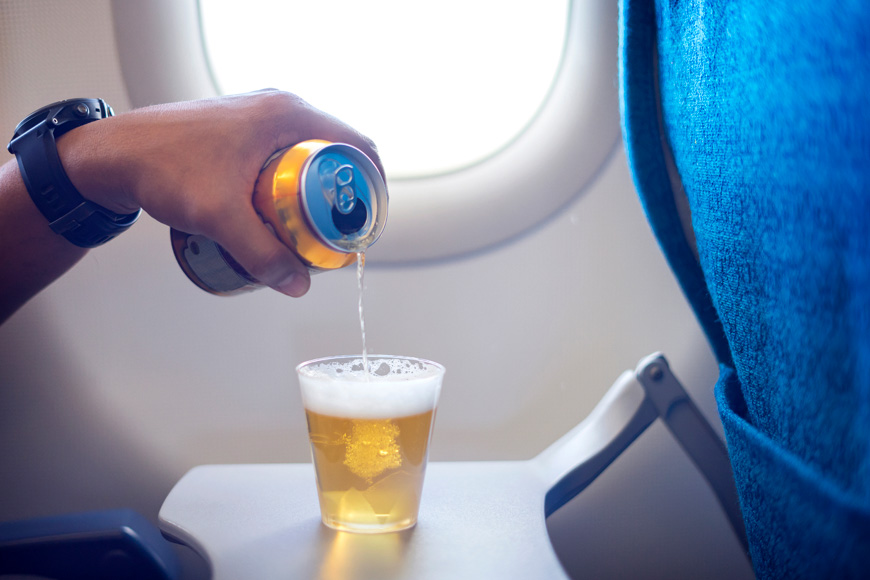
point(31, 255)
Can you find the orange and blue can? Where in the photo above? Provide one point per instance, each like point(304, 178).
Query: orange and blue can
point(325, 201)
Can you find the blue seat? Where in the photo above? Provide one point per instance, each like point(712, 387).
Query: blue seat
point(101, 545)
point(748, 135)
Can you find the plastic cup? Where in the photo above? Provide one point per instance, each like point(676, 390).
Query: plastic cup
point(369, 434)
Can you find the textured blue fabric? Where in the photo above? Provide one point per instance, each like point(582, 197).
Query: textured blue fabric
point(642, 136)
point(764, 105)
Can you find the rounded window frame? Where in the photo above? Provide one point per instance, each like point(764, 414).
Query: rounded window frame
point(442, 216)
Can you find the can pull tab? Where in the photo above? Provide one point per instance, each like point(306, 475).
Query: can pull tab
point(337, 184)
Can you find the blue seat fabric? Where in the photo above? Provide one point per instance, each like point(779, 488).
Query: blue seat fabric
point(765, 106)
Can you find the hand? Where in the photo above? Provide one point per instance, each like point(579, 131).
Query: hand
point(193, 166)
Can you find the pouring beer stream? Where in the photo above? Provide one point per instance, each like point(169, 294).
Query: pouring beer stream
point(369, 424)
point(360, 272)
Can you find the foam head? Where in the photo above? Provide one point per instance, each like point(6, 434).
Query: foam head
point(395, 386)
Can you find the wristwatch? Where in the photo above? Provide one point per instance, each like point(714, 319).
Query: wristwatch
point(80, 221)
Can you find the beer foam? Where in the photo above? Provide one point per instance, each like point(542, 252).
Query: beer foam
point(395, 387)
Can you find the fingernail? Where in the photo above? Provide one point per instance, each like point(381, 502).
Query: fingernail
point(295, 285)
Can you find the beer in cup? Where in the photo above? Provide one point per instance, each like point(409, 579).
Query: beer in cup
point(369, 434)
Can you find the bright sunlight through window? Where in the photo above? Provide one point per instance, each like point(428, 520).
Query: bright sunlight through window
point(438, 85)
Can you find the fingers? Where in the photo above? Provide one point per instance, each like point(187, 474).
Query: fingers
point(263, 255)
point(289, 120)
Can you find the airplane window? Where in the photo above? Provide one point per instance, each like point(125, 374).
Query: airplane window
point(490, 117)
point(438, 85)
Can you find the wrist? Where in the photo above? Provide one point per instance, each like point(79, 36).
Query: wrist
point(94, 163)
point(81, 221)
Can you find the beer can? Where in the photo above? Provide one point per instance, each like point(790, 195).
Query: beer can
point(325, 201)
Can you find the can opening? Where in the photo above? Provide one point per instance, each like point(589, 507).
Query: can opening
point(344, 198)
point(351, 222)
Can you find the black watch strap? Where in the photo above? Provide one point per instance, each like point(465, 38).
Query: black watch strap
point(80, 221)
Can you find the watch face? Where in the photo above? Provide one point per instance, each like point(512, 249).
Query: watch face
point(93, 109)
point(35, 118)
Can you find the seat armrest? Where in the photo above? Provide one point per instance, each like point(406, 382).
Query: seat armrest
point(694, 434)
point(103, 544)
point(576, 459)
point(634, 401)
